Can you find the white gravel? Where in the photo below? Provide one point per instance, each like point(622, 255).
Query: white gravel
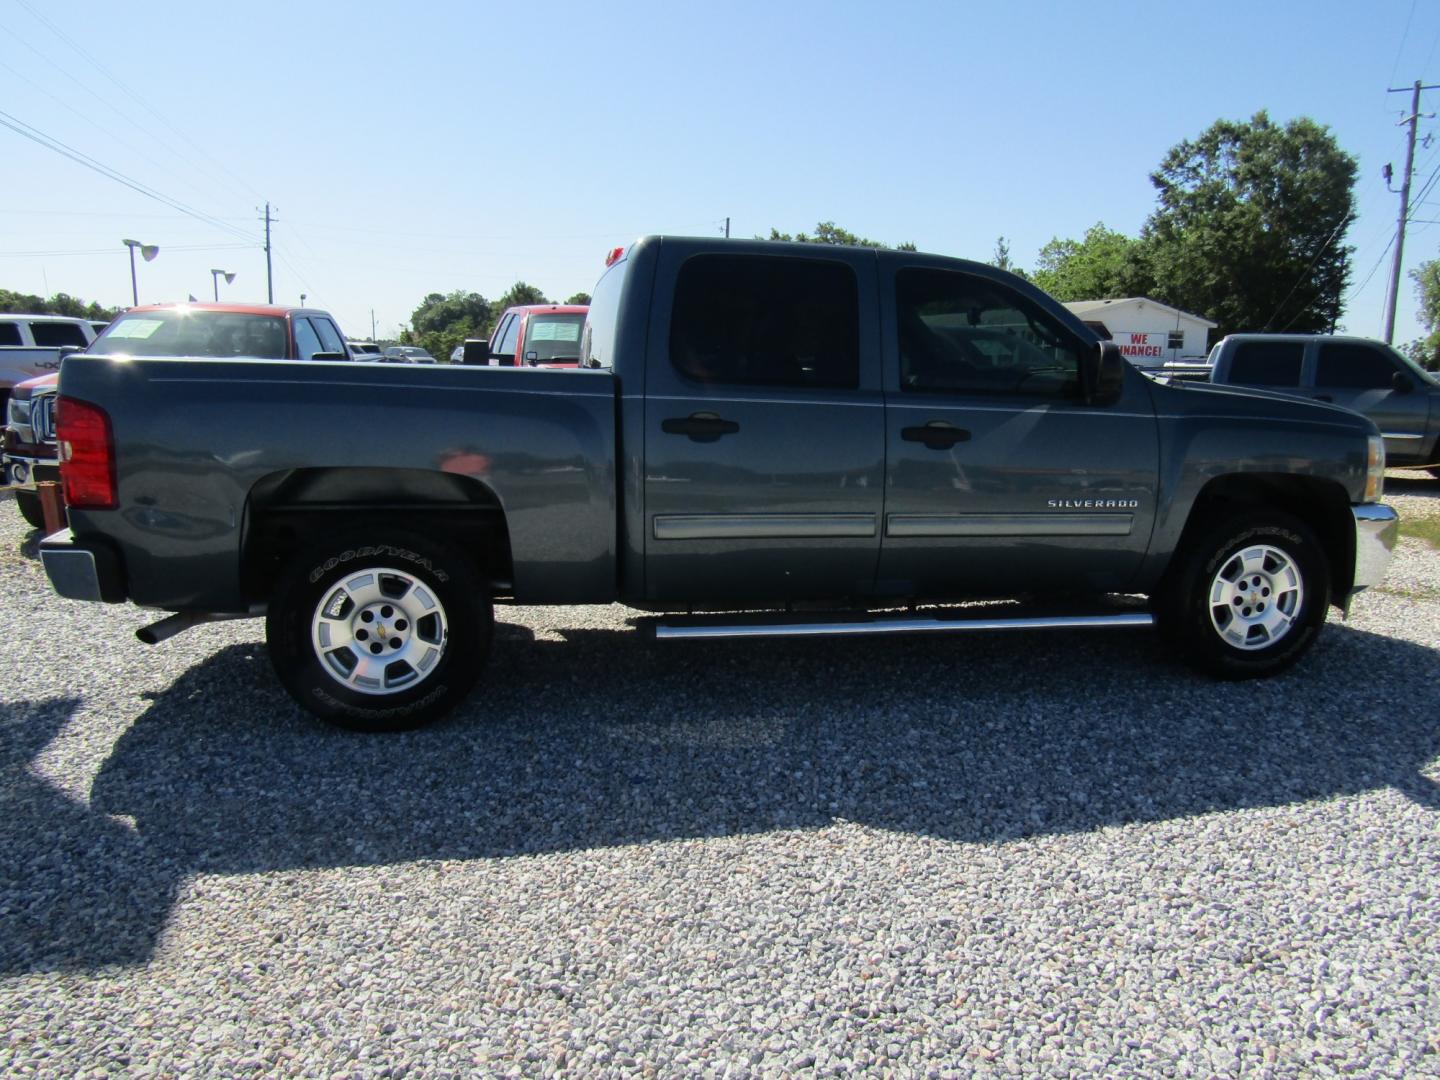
point(1050, 854)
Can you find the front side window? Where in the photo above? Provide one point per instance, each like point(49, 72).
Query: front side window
point(506, 348)
point(307, 342)
point(9, 333)
point(1267, 363)
point(763, 320)
point(964, 334)
point(329, 336)
point(1353, 367)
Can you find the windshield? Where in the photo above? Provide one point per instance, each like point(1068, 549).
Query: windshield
point(184, 332)
point(553, 337)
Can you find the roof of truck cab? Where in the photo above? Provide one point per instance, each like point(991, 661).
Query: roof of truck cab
point(239, 309)
point(551, 309)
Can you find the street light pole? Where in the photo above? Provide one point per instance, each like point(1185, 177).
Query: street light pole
point(215, 280)
point(147, 252)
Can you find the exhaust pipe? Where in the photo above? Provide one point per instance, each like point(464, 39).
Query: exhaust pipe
point(171, 625)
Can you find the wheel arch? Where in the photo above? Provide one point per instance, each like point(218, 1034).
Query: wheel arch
point(1323, 505)
point(286, 510)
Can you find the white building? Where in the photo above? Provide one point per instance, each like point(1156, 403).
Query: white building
point(1148, 332)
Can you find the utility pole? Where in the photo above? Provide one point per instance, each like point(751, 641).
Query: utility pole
point(269, 273)
point(727, 228)
point(1395, 267)
point(372, 324)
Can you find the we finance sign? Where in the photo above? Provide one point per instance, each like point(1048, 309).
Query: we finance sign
point(1143, 346)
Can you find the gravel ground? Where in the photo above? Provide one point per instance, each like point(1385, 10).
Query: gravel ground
point(1050, 853)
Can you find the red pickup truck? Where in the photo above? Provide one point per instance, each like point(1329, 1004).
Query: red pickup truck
point(535, 335)
point(216, 331)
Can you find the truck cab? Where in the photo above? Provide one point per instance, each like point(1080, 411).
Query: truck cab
point(1357, 373)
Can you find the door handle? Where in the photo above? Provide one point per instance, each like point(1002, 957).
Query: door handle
point(700, 426)
point(1324, 397)
point(936, 435)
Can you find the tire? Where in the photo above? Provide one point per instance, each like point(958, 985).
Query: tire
point(1249, 596)
point(414, 602)
point(30, 510)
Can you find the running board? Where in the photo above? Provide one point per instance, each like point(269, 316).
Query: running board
point(667, 631)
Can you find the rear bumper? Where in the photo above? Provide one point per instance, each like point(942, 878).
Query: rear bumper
point(1377, 529)
point(82, 569)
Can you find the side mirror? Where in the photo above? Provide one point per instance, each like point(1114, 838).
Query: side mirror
point(1399, 382)
point(477, 352)
point(69, 350)
point(1102, 374)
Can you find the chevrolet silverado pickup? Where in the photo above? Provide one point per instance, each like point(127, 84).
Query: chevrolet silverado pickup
point(761, 439)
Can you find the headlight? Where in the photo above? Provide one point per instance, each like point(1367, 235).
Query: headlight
point(1375, 469)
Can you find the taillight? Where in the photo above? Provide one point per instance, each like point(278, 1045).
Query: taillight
point(87, 454)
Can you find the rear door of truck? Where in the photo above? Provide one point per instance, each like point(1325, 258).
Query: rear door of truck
point(764, 425)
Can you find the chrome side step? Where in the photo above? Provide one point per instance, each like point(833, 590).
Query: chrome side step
point(670, 632)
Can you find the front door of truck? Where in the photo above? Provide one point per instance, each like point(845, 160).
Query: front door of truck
point(1000, 478)
point(764, 428)
point(1362, 377)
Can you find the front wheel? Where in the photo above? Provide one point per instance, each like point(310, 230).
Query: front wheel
point(1249, 597)
point(379, 632)
point(30, 509)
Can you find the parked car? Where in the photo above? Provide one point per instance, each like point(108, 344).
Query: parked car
point(29, 449)
point(536, 335)
point(30, 345)
point(758, 428)
point(219, 330)
point(1368, 376)
point(406, 354)
point(364, 350)
point(208, 331)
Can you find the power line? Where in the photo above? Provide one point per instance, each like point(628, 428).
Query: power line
point(1404, 36)
point(111, 250)
point(39, 137)
point(72, 43)
point(1361, 287)
point(1304, 273)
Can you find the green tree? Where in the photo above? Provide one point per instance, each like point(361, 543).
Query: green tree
point(1106, 265)
point(827, 232)
point(443, 321)
point(1250, 227)
point(59, 304)
point(579, 298)
point(1425, 351)
point(520, 293)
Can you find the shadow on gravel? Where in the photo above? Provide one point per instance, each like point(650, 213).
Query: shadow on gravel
point(602, 740)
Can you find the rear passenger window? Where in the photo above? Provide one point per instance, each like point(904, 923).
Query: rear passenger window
point(1354, 367)
point(763, 320)
point(9, 333)
point(960, 333)
point(1267, 363)
point(54, 334)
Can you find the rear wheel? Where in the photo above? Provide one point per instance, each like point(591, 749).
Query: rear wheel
point(379, 631)
point(30, 510)
point(1249, 596)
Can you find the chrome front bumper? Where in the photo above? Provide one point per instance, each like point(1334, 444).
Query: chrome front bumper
point(1377, 529)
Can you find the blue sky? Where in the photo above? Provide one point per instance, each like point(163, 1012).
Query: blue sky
point(432, 147)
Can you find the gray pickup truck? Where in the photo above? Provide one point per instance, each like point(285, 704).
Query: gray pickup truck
point(1358, 373)
point(820, 439)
